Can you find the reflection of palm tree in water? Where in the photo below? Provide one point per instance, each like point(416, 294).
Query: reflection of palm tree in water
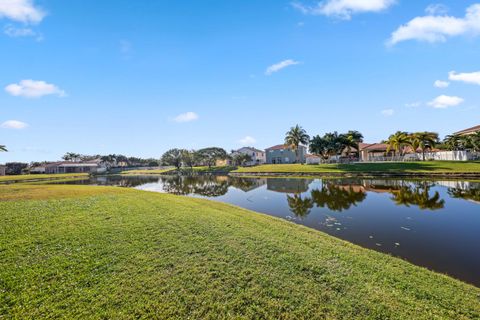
point(418, 196)
point(301, 207)
point(337, 198)
point(470, 194)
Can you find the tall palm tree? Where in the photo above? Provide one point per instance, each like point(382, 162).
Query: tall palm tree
point(3, 148)
point(424, 140)
point(453, 142)
point(295, 137)
point(397, 142)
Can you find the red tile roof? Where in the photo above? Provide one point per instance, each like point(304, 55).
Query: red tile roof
point(278, 147)
point(469, 130)
point(373, 146)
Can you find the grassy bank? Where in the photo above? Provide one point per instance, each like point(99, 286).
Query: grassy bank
point(146, 172)
point(39, 177)
point(97, 252)
point(436, 167)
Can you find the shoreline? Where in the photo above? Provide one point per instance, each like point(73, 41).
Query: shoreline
point(456, 175)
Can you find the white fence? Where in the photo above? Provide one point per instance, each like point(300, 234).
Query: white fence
point(438, 156)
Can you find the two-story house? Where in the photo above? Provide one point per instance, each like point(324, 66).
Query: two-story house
point(285, 154)
point(258, 156)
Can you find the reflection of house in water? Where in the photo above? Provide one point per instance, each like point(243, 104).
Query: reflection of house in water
point(247, 184)
point(288, 185)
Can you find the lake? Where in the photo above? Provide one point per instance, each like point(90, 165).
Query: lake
point(435, 224)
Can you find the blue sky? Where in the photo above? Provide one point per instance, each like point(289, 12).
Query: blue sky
point(140, 77)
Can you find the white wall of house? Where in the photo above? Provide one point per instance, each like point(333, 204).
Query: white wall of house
point(258, 156)
point(313, 160)
point(441, 156)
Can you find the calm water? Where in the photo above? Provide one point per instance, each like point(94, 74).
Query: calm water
point(435, 224)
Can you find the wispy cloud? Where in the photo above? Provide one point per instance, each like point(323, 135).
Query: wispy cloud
point(344, 9)
point(247, 141)
point(15, 32)
point(14, 124)
point(186, 117)
point(281, 65)
point(388, 112)
point(33, 89)
point(23, 11)
point(414, 104)
point(472, 77)
point(443, 102)
point(441, 84)
point(438, 28)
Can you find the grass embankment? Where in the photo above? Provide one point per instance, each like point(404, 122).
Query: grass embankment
point(435, 167)
point(100, 252)
point(146, 172)
point(39, 177)
point(209, 170)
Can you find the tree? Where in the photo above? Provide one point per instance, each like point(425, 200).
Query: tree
point(71, 156)
point(3, 148)
point(173, 157)
point(209, 156)
point(240, 159)
point(295, 137)
point(453, 142)
point(352, 139)
point(397, 142)
point(475, 141)
point(336, 143)
point(320, 147)
point(15, 168)
point(425, 140)
point(189, 158)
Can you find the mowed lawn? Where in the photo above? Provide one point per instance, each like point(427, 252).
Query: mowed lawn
point(109, 253)
point(31, 177)
point(387, 167)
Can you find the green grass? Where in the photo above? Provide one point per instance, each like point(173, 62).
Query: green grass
point(205, 169)
point(143, 172)
point(384, 167)
point(110, 253)
point(26, 177)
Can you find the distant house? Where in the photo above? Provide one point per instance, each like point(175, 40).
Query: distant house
point(75, 167)
point(312, 159)
point(37, 170)
point(288, 185)
point(258, 156)
point(468, 131)
point(284, 154)
point(3, 169)
point(373, 151)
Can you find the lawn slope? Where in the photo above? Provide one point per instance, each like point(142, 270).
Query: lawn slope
point(99, 252)
point(427, 167)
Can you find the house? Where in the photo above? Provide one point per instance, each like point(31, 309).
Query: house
point(312, 159)
point(3, 169)
point(374, 151)
point(37, 170)
point(284, 154)
point(258, 156)
point(468, 131)
point(75, 167)
point(288, 185)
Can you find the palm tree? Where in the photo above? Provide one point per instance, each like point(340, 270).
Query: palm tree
point(71, 156)
point(453, 142)
point(3, 148)
point(425, 140)
point(352, 139)
point(295, 137)
point(397, 142)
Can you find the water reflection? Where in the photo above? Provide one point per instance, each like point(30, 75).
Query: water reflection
point(418, 196)
point(338, 197)
point(300, 207)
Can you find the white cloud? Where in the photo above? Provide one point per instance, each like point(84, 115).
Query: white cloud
point(436, 9)
point(441, 84)
point(443, 102)
point(437, 28)
point(344, 9)
point(15, 32)
point(388, 112)
point(414, 104)
point(472, 77)
point(186, 117)
point(279, 66)
point(33, 89)
point(247, 141)
point(21, 10)
point(14, 124)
